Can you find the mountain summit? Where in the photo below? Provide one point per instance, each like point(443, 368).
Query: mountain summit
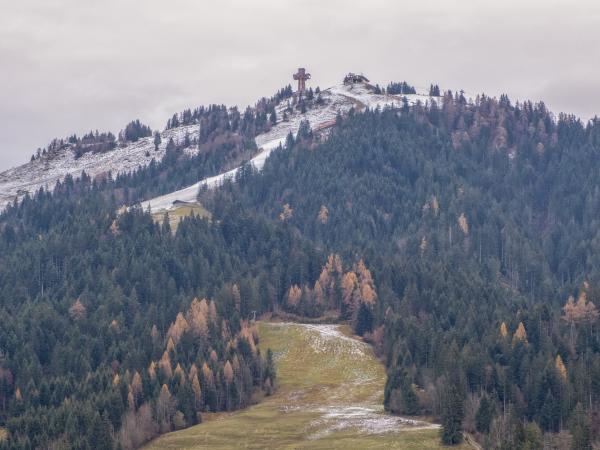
point(64, 157)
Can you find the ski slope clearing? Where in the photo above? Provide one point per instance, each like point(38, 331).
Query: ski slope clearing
point(329, 396)
point(336, 100)
point(47, 170)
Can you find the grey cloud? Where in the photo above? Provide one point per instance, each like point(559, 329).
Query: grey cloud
point(73, 65)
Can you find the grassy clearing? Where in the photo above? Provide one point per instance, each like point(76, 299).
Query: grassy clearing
point(329, 396)
point(185, 210)
point(3, 434)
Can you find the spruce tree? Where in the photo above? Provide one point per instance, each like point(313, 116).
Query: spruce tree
point(580, 430)
point(484, 415)
point(452, 415)
point(364, 319)
point(157, 140)
point(409, 397)
point(549, 413)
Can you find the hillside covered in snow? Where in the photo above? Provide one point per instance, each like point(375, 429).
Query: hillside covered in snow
point(47, 169)
point(339, 99)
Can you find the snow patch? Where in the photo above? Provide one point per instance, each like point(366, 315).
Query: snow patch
point(340, 413)
point(366, 419)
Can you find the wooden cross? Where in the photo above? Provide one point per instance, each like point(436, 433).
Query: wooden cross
point(301, 76)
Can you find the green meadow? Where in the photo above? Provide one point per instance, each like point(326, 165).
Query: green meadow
point(329, 396)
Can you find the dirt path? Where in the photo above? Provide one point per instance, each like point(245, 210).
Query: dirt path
point(330, 392)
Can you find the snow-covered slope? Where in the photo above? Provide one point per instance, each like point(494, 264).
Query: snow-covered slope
point(47, 170)
point(337, 99)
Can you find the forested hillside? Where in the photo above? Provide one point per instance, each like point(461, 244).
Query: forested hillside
point(110, 326)
point(479, 223)
point(461, 239)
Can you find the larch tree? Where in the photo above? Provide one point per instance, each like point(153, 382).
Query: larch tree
point(114, 228)
point(579, 313)
point(286, 213)
point(560, 368)
point(319, 295)
point(228, 372)
point(197, 391)
point(463, 224)
point(197, 318)
point(503, 330)
point(212, 312)
point(130, 399)
point(225, 331)
point(246, 334)
point(294, 295)
point(323, 215)
point(170, 344)
point(358, 297)
point(327, 286)
point(152, 370)
point(435, 206)
point(368, 295)
point(330, 278)
point(350, 293)
point(207, 374)
point(77, 310)
point(18, 395)
point(165, 408)
point(179, 374)
point(193, 371)
point(177, 328)
point(154, 333)
point(520, 334)
point(137, 388)
point(165, 365)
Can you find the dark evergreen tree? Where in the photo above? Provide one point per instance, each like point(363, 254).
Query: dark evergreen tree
point(452, 415)
point(484, 415)
point(364, 319)
point(580, 430)
point(157, 140)
point(136, 130)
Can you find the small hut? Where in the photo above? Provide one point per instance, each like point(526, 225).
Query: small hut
point(353, 78)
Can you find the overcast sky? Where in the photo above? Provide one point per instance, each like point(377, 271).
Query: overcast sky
point(68, 66)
